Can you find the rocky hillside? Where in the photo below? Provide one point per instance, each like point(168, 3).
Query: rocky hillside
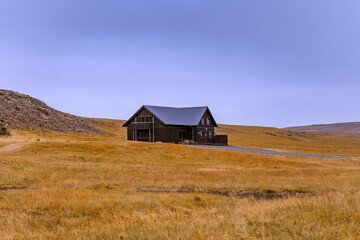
point(24, 112)
point(350, 127)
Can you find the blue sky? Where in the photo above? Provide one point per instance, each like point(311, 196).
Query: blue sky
point(266, 63)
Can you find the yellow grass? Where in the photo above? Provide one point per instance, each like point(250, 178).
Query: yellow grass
point(279, 139)
point(65, 186)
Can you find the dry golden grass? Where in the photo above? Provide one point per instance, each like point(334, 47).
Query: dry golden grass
point(279, 139)
point(65, 186)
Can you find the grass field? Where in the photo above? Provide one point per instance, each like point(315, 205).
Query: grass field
point(64, 186)
point(278, 139)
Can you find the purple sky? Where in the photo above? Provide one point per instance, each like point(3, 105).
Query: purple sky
point(268, 63)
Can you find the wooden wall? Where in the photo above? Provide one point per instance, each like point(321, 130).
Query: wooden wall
point(171, 133)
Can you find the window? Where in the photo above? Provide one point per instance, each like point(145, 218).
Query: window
point(143, 134)
point(207, 121)
point(143, 119)
point(200, 133)
point(211, 134)
point(203, 121)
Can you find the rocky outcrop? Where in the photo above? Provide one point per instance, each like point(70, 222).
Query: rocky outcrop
point(4, 130)
point(25, 112)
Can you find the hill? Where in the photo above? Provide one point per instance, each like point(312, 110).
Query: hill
point(349, 127)
point(24, 112)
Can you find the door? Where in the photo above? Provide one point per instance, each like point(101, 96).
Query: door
point(182, 135)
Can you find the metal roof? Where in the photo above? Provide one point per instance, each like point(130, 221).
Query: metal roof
point(189, 116)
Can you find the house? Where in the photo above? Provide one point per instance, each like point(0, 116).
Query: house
point(169, 124)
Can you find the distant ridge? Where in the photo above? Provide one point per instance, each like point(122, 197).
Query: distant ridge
point(24, 112)
point(348, 127)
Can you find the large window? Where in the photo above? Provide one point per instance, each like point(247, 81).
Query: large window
point(143, 134)
point(211, 134)
point(200, 133)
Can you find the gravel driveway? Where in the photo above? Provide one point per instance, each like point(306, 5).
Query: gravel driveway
point(265, 151)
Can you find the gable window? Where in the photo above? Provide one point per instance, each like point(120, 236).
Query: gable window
point(207, 121)
point(203, 121)
point(142, 119)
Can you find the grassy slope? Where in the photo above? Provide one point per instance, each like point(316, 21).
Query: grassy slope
point(279, 139)
point(87, 187)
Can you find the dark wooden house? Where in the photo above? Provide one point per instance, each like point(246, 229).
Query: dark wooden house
point(169, 124)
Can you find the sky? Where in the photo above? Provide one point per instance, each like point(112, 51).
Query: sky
point(253, 62)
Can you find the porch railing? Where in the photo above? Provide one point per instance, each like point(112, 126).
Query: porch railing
point(142, 125)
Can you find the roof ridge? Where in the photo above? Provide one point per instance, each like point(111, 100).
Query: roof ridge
point(175, 107)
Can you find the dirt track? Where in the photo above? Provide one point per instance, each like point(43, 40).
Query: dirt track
point(13, 146)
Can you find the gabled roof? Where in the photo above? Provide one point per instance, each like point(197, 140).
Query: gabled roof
point(189, 116)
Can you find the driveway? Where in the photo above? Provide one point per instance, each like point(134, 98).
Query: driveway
point(265, 151)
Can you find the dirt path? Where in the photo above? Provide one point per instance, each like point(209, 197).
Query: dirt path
point(13, 146)
point(265, 151)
